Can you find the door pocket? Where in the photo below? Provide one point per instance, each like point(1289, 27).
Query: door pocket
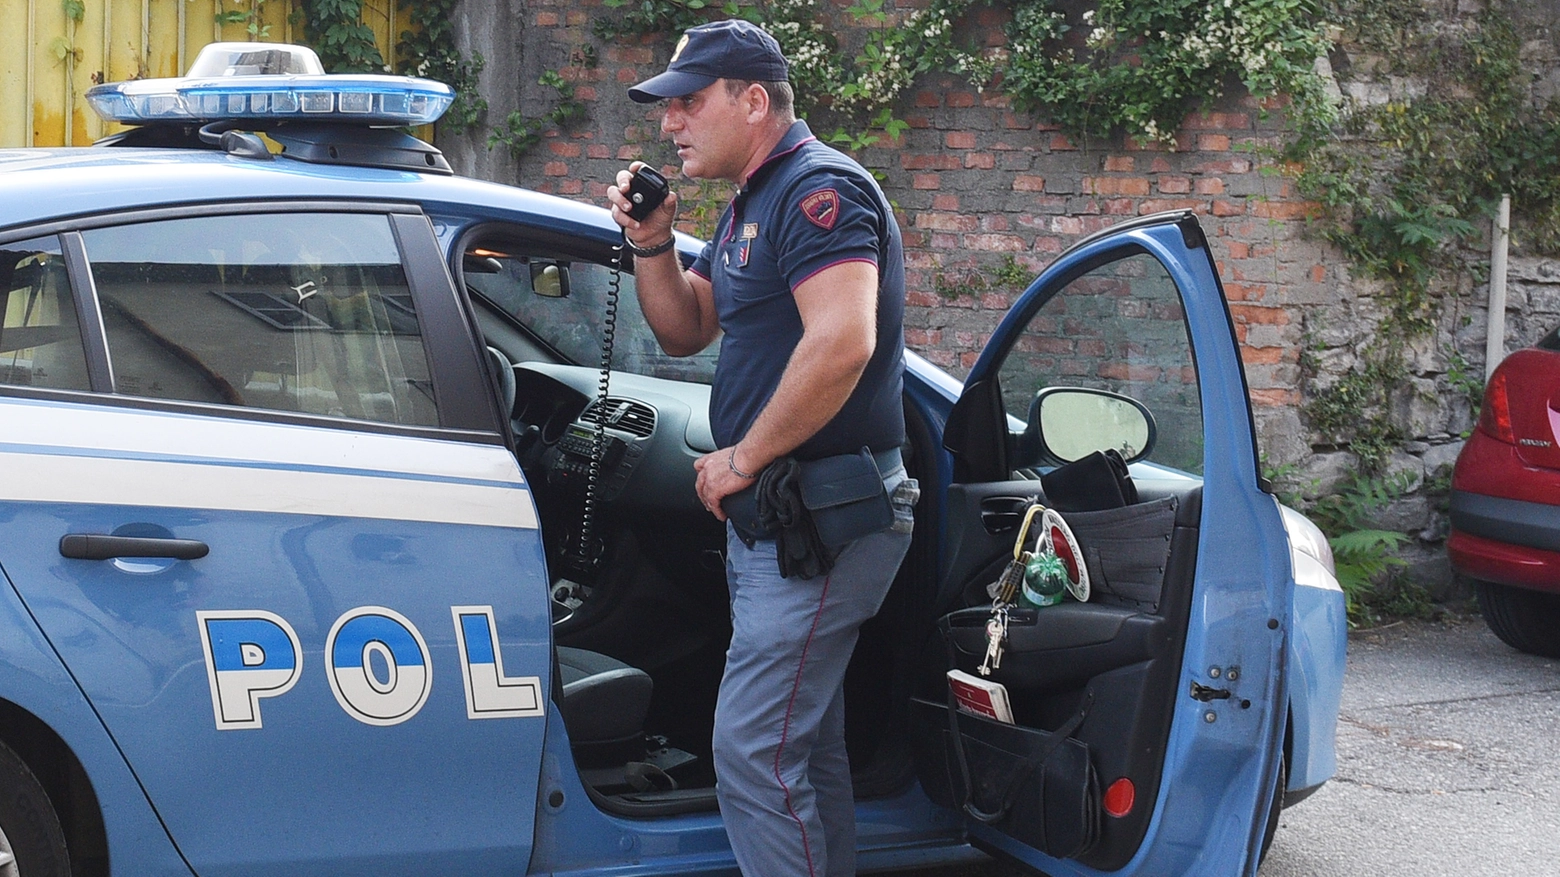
point(1038, 787)
point(1125, 549)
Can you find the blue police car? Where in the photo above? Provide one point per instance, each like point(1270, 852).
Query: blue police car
point(329, 547)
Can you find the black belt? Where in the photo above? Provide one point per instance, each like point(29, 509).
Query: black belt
point(887, 461)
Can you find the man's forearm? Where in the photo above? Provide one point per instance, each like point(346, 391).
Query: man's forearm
point(671, 306)
point(679, 309)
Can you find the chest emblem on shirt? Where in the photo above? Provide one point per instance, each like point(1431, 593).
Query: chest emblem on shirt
point(822, 208)
point(743, 250)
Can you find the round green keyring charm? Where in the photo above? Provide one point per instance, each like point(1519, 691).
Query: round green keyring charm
point(1045, 579)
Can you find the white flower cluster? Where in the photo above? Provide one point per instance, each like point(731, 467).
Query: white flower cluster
point(932, 24)
point(881, 85)
point(1036, 26)
point(1229, 35)
point(794, 10)
point(809, 54)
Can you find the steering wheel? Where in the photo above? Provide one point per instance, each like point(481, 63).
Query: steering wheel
point(506, 379)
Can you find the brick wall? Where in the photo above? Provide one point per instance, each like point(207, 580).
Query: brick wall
point(975, 184)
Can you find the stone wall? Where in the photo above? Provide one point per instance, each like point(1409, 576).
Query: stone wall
point(1432, 406)
point(977, 184)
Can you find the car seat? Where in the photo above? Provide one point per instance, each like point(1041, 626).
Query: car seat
point(604, 705)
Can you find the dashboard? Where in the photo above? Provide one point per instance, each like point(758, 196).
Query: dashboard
point(654, 430)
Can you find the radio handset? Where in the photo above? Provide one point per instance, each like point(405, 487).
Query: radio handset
point(646, 191)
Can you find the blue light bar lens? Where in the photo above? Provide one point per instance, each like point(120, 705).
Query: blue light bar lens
point(363, 99)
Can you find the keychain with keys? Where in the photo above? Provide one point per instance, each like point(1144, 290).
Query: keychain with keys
point(996, 637)
point(1004, 593)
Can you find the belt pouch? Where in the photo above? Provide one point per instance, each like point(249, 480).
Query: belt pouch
point(741, 509)
point(845, 497)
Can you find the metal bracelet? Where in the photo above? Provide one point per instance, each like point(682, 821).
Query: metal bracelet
point(731, 463)
point(648, 252)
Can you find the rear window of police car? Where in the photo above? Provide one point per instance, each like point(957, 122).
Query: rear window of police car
point(306, 313)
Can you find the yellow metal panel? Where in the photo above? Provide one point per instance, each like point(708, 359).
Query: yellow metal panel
point(47, 65)
point(14, 60)
point(123, 46)
point(382, 19)
point(48, 75)
point(162, 46)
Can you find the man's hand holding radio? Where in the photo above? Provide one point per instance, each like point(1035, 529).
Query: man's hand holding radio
point(645, 207)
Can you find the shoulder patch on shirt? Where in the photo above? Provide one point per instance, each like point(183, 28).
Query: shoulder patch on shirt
point(822, 208)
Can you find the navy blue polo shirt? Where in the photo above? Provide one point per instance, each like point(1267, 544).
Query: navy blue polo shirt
point(806, 208)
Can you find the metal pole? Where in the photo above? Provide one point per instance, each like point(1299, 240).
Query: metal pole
point(32, 64)
point(70, 72)
point(108, 58)
point(1495, 339)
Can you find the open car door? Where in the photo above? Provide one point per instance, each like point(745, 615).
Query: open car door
point(1148, 722)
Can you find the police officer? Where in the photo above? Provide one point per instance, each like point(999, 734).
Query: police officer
point(805, 279)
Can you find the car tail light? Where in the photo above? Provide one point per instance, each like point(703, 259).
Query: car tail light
point(1495, 416)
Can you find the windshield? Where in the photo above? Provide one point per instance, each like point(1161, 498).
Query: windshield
point(573, 324)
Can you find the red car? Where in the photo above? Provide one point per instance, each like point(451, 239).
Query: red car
point(1506, 501)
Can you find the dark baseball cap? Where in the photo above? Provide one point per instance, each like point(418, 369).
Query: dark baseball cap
point(733, 49)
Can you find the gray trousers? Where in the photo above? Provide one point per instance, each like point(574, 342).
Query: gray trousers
point(782, 776)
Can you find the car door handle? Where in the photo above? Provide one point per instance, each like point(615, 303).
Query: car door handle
point(93, 546)
point(1002, 514)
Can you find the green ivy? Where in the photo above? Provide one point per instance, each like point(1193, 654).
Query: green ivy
point(655, 16)
point(1356, 410)
point(1132, 67)
point(1009, 276)
point(429, 51)
point(249, 13)
point(520, 133)
point(336, 30)
point(1136, 67)
point(1466, 383)
point(856, 95)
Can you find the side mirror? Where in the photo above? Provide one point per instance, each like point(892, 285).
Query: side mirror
point(550, 279)
point(1070, 423)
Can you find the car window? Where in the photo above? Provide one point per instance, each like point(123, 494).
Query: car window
point(573, 325)
point(293, 312)
point(1120, 327)
point(40, 339)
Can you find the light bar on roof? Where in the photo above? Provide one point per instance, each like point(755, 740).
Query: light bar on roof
point(271, 81)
